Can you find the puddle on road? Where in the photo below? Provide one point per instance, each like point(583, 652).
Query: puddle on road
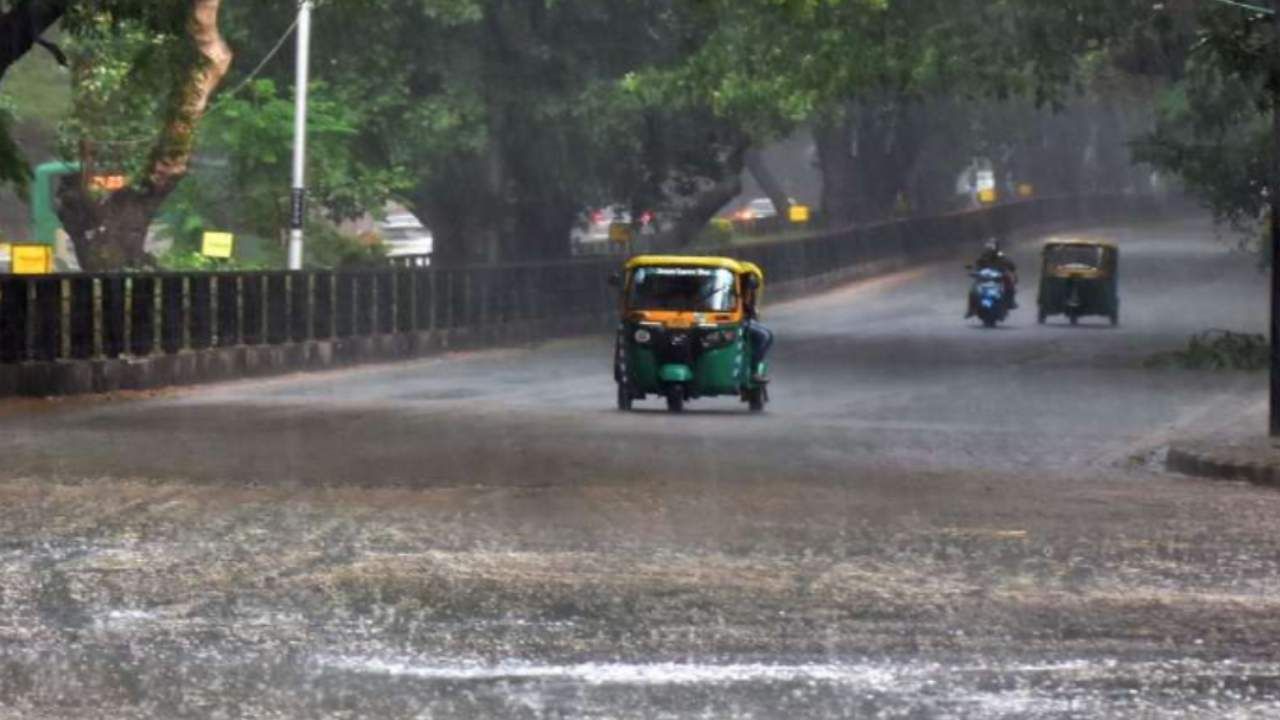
point(1070, 688)
point(624, 673)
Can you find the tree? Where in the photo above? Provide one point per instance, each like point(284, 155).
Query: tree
point(169, 59)
point(1214, 124)
point(22, 23)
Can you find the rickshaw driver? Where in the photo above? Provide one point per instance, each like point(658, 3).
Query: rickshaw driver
point(994, 259)
point(760, 337)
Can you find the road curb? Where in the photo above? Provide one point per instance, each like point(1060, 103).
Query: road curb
point(1256, 462)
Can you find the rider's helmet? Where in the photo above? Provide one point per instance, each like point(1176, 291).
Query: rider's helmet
point(992, 245)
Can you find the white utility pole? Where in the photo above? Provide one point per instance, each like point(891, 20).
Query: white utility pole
point(298, 202)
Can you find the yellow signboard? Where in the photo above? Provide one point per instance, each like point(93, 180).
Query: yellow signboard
point(1026, 190)
point(620, 233)
point(218, 245)
point(800, 214)
point(31, 260)
point(988, 196)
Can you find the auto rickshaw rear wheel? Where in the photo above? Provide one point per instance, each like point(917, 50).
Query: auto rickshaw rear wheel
point(675, 399)
point(1115, 319)
point(624, 397)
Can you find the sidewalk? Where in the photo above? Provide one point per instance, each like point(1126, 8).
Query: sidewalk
point(1254, 458)
point(1233, 446)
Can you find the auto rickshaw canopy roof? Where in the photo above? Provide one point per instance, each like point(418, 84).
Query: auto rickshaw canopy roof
point(1065, 242)
point(738, 267)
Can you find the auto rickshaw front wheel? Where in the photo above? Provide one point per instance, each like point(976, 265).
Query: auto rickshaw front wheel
point(756, 399)
point(624, 397)
point(675, 399)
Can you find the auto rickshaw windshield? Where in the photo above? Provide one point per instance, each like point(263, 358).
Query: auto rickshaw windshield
point(1084, 255)
point(683, 288)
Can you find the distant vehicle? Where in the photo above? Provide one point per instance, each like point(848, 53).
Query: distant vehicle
point(758, 209)
point(404, 235)
point(594, 235)
point(988, 297)
point(1077, 279)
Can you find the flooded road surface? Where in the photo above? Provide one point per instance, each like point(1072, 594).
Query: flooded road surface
point(932, 520)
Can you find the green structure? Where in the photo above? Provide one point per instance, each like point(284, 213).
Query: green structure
point(44, 221)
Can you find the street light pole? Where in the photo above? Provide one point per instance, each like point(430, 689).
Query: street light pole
point(1274, 197)
point(298, 198)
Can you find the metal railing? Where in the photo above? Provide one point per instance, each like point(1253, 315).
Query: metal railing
point(104, 316)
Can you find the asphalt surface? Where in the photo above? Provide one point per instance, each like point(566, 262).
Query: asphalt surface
point(931, 520)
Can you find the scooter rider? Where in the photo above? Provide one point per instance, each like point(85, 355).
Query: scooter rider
point(992, 258)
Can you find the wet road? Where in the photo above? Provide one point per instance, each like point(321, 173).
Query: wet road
point(932, 520)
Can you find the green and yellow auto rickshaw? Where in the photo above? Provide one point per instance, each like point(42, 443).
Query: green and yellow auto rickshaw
point(1078, 279)
point(683, 334)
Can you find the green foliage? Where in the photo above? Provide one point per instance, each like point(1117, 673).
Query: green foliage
point(327, 247)
point(718, 233)
point(253, 134)
point(122, 72)
point(1214, 127)
point(14, 170)
point(1219, 350)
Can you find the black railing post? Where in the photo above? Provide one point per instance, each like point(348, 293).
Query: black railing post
point(83, 319)
point(405, 305)
point(277, 308)
point(113, 316)
point(450, 292)
point(228, 289)
point(172, 313)
point(47, 328)
point(424, 299)
point(322, 305)
point(364, 307)
point(142, 315)
point(386, 314)
point(14, 308)
point(201, 299)
point(300, 307)
point(251, 299)
point(344, 313)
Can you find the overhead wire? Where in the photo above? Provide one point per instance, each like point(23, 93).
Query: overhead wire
point(1248, 6)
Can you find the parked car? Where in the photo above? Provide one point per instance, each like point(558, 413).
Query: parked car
point(592, 236)
point(404, 235)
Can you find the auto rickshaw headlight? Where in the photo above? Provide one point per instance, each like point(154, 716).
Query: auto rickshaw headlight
point(717, 338)
point(643, 336)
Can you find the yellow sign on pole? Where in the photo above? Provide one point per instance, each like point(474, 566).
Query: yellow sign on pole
point(620, 233)
point(800, 214)
point(218, 245)
point(31, 260)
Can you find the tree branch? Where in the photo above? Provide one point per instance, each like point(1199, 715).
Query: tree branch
point(58, 55)
point(172, 154)
point(22, 26)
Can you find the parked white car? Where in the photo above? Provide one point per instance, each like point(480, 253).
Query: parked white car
point(403, 234)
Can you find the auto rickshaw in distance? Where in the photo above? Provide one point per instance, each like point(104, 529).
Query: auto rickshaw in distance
point(1078, 279)
point(682, 333)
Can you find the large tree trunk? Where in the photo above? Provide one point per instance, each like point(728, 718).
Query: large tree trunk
point(833, 140)
point(22, 26)
point(768, 182)
point(695, 215)
point(109, 230)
